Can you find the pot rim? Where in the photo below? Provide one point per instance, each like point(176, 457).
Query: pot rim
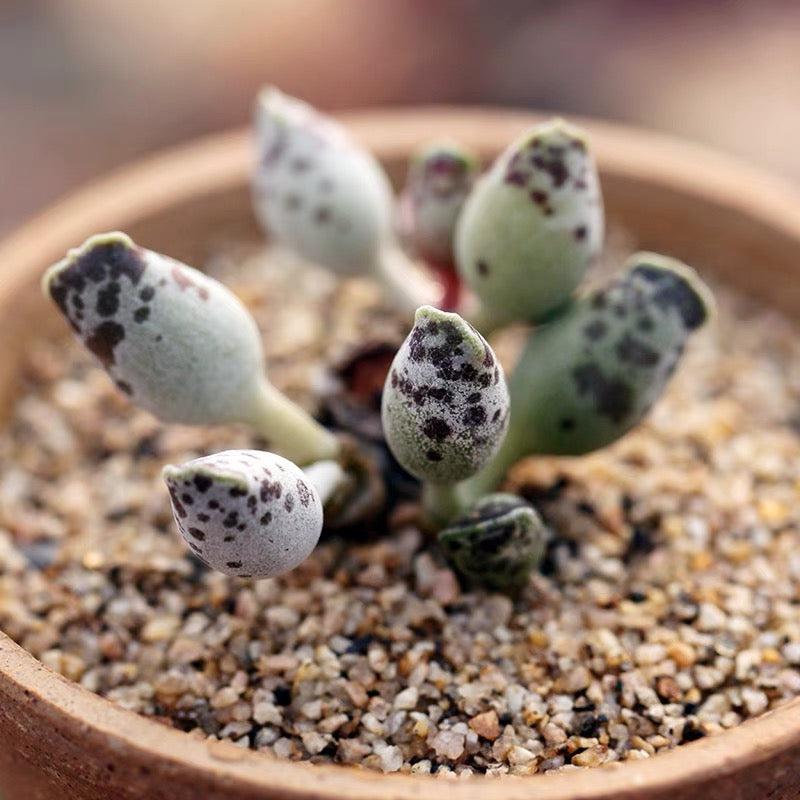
point(220, 162)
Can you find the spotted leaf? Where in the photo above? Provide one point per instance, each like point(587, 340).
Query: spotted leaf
point(445, 402)
point(588, 377)
point(178, 342)
point(245, 512)
point(315, 189)
point(532, 226)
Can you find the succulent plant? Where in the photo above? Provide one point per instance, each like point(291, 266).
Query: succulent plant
point(591, 375)
point(177, 342)
point(245, 512)
point(184, 347)
point(440, 177)
point(317, 191)
point(498, 543)
point(532, 227)
point(445, 403)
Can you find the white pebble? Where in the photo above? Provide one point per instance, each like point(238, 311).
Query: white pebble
point(447, 744)
point(391, 757)
point(407, 699)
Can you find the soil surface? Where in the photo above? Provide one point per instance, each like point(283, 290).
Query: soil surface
point(668, 607)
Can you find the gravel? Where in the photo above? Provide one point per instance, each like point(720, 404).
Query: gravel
point(666, 609)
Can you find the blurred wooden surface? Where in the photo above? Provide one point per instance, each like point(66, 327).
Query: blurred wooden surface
point(86, 85)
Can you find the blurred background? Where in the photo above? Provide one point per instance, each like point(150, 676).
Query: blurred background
point(86, 85)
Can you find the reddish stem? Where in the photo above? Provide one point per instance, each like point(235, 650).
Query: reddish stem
point(451, 285)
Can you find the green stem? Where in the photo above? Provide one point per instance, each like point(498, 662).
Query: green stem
point(442, 503)
point(406, 283)
point(290, 430)
point(494, 473)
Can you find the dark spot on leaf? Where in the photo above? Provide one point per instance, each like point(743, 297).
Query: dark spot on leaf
point(416, 348)
point(580, 233)
point(436, 428)
point(599, 301)
point(141, 314)
point(197, 534)
point(275, 150)
point(674, 291)
point(474, 415)
point(231, 520)
point(105, 337)
point(176, 503)
point(595, 330)
point(304, 493)
point(147, 294)
point(433, 455)
point(234, 564)
point(567, 424)
point(270, 490)
point(108, 300)
point(266, 518)
point(288, 502)
point(612, 397)
point(634, 351)
point(202, 484)
point(483, 268)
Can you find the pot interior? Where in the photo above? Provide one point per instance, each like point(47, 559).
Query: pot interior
point(670, 198)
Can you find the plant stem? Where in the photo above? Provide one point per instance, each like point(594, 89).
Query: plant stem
point(490, 477)
point(442, 503)
point(450, 282)
point(290, 430)
point(328, 478)
point(405, 281)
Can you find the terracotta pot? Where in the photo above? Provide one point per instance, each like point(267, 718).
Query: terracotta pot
point(59, 740)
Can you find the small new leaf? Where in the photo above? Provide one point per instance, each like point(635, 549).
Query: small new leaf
point(440, 177)
point(498, 544)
